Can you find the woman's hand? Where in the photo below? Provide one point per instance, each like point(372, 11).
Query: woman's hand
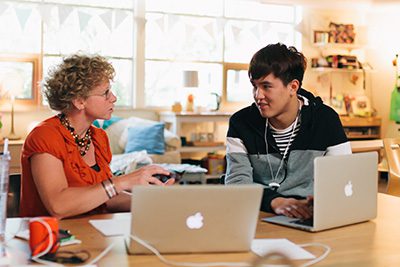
point(142, 176)
point(293, 208)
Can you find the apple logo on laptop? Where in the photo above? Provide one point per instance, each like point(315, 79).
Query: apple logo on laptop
point(348, 189)
point(195, 221)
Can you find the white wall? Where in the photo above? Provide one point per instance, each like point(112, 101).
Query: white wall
point(384, 44)
point(377, 23)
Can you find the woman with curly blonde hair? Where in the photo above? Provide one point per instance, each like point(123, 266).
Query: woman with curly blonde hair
point(65, 160)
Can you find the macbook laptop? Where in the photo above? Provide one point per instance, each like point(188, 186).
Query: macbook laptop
point(345, 192)
point(195, 218)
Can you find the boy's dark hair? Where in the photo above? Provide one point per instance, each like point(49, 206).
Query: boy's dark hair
point(286, 63)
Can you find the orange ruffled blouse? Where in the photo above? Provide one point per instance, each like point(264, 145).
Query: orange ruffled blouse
point(53, 138)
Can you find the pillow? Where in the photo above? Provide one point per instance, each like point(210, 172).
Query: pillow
point(131, 122)
point(105, 124)
point(172, 141)
point(118, 132)
point(146, 137)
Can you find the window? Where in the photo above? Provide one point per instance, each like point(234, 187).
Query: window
point(57, 28)
point(19, 78)
point(236, 83)
point(209, 37)
point(174, 37)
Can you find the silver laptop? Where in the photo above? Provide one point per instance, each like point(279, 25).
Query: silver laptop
point(345, 192)
point(194, 218)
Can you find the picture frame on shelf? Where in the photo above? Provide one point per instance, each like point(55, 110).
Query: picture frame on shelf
point(341, 33)
point(321, 37)
point(337, 103)
point(361, 106)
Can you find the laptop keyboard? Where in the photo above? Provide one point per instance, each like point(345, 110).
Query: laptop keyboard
point(307, 222)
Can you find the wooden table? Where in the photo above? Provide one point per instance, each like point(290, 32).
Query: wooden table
point(373, 243)
point(366, 145)
point(359, 146)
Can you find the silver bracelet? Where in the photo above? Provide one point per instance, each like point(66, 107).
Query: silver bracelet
point(105, 189)
point(113, 187)
point(109, 187)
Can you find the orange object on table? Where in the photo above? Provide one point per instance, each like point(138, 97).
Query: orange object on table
point(39, 236)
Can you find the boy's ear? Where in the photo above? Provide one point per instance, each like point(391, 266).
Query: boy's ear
point(294, 86)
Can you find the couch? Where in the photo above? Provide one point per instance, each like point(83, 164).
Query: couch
point(119, 134)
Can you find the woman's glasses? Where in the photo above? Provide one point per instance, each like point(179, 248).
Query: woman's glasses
point(107, 94)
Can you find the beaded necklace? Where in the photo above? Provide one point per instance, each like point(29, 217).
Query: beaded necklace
point(83, 143)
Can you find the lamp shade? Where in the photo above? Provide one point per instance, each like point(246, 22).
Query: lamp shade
point(190, 78)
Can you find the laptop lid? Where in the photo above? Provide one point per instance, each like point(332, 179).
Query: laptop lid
point(195, 218)
point(345, 192)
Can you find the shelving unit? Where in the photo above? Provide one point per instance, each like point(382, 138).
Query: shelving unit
point(193, 149)
point(174, 122)
point(359, 128)
point(347, 77)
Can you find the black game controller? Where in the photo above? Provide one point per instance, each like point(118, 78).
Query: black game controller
point(163, 177)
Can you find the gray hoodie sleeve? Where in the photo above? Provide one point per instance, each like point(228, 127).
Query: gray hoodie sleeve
point(240, 171)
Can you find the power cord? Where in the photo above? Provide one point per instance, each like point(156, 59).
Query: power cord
point(155, 252)
point(233, 264)
point(188, 264)
point(320, 258)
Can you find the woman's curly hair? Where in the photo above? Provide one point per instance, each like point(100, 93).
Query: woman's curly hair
point(75, 77)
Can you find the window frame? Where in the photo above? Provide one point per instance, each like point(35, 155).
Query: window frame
point(226, 65)
point(138, 58)
point(35, 59)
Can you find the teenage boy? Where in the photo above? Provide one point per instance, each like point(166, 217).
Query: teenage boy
point(274, 141)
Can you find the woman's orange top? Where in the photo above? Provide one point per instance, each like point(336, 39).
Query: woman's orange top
point(53, 138)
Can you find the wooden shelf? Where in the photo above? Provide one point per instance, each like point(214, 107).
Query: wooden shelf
point(360, 121)
point(340, 70)
point(343, 46)
point(188, 149)
point(360, 128)
point(363, 136)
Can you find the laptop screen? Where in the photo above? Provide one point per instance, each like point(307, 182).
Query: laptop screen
point(195, 218)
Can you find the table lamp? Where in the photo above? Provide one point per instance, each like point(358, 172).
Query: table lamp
point(190, 78)
point(190, 81)
point(10, 88)
point(12, 135)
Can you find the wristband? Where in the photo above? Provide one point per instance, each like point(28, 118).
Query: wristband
point(109, 188)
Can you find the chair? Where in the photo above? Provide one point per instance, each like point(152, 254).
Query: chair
point(392, 152)
point(13, 195)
